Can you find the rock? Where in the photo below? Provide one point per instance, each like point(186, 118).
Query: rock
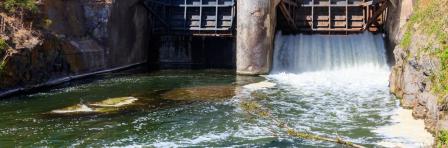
point(78, 108)
point(419, 111)
point(411, 75)
point(201, 93)
point(83, 36)
point(115, 102)
point(259, 85)
point(107, 106)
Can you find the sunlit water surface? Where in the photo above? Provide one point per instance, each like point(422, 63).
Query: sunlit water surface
point(350, 101)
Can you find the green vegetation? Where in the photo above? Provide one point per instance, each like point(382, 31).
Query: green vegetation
point(259, 95)
point(442, 138)
point(407, 38)
point(2, 67)
point(46, 23)
point(15, 5)
point(430, 19)
point(3, 45)
point(254, 108)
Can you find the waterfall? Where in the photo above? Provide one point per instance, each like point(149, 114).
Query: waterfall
point(310, 53)
point(332, 67)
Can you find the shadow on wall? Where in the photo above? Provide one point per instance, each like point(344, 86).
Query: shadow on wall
point(178, 52)
point(129, 33)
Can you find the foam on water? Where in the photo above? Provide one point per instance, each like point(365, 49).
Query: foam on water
point(337, 79)
point(305, 53)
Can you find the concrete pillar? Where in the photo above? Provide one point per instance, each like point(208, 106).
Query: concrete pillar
point(256, 20)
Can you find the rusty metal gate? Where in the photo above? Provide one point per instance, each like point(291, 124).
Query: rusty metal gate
point(335, 16)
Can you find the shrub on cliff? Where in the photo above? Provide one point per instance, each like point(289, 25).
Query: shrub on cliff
point(430, 19)
point(3, 45)
point(13, 6)
point(442, 139)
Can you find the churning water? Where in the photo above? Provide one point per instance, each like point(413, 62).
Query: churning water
point(342, 82)
point(307, 53)
point(332, 86)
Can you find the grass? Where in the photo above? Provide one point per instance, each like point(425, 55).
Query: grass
point(407, 38)
point(442, 138)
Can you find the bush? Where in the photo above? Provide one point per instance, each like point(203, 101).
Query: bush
point(46, 23)
point(15, 5)
point(442, 138)
point(3, 45)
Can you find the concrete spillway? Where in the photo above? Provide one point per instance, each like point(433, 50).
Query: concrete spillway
point(256, 24)
point(305, 53)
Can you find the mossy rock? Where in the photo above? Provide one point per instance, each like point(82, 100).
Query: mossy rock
point(78, 108)
point(107, 106)
point(201, 93)
point(115, 102)
point(259, 95)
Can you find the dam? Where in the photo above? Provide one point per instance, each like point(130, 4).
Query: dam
point(216, 73)
point(253, 27)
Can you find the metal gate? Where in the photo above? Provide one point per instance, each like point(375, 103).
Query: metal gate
point(193, 17)
point(337, 16)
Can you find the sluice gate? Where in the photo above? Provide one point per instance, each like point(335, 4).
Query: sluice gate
point(252, 24)
point(217, 17)
point(334, 15)
point(193, 17)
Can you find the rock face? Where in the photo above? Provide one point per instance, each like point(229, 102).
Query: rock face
point(81, 36)
point(411, 82)
point(410, 79)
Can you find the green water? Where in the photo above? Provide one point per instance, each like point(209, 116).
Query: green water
point(160, 122)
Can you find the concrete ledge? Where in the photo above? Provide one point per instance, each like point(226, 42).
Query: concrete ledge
point(15, 91)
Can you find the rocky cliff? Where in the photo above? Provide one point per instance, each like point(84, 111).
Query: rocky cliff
point(418, 33)
point(71, 37)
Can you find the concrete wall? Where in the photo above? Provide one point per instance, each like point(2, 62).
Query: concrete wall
point(129, 33)
point(256, 21)
point(194, 52)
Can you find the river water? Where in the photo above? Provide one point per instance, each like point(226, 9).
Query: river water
point(347, 99)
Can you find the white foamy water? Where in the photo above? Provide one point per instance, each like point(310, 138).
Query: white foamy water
point(340, 81)
point(305, 53)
